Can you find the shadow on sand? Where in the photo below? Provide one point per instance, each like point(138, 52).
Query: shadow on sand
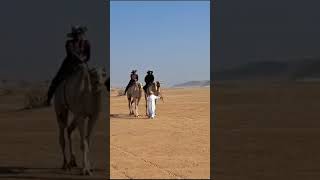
point(127, 116)
point(46, 173)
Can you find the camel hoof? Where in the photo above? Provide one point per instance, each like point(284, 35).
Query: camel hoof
point(66, 167)
point(73, 163)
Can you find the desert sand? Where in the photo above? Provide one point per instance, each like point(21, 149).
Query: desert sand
point(174, 145)
point(267, 131)
point(29, 142)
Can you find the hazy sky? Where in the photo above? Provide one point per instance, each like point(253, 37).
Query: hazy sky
point(170, 38)
point(33, 33)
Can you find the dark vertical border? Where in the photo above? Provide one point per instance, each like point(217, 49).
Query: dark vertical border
point(212, 100)
point(107, 118)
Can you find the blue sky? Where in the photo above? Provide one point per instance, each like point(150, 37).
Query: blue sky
point(170, 38)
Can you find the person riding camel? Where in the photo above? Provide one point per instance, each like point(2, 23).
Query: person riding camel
point(78, 52)
point(149, 79)
point(133, 79)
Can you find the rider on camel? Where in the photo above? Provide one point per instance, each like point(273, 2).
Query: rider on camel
point(78, 52)
point(133, 79)
point(149, 79)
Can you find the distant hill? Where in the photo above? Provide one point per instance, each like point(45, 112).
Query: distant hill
point(272, 70)
point(23, 84)
point(193, 84)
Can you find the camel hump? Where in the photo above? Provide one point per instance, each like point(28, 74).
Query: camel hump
point(137, 84)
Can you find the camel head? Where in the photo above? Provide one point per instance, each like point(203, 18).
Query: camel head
point(158, 84)
point(98, 76)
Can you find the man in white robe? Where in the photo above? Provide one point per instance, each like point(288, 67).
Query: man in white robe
point(151, 103)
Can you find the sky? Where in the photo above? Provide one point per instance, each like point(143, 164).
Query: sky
point(170, 38)
point(33, 35)
point(251, 30)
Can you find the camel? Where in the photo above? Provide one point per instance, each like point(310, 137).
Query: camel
point(134, 95)
point(155, 88)
point(79, 94)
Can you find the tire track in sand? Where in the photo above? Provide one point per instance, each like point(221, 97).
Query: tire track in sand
point(115, 167)
point(149, 163)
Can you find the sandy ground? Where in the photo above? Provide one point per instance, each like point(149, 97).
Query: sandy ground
point(174, 145)
point(29, 143)
point(267, 131)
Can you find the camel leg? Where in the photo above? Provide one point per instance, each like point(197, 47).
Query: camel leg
point(132, 107)
point(129, 104)
point(91, 124)
point(62, 124)
point(70, 129)
point(84, 147)
point(135, 108)
point(146, 105)
point(63, 148)
point(138, 101)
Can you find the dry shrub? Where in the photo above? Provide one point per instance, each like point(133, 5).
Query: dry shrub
point(35, 98)
point(120, 92)
point(5, 92)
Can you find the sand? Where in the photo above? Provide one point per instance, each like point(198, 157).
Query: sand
point(176, 144)
point(267, 131)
